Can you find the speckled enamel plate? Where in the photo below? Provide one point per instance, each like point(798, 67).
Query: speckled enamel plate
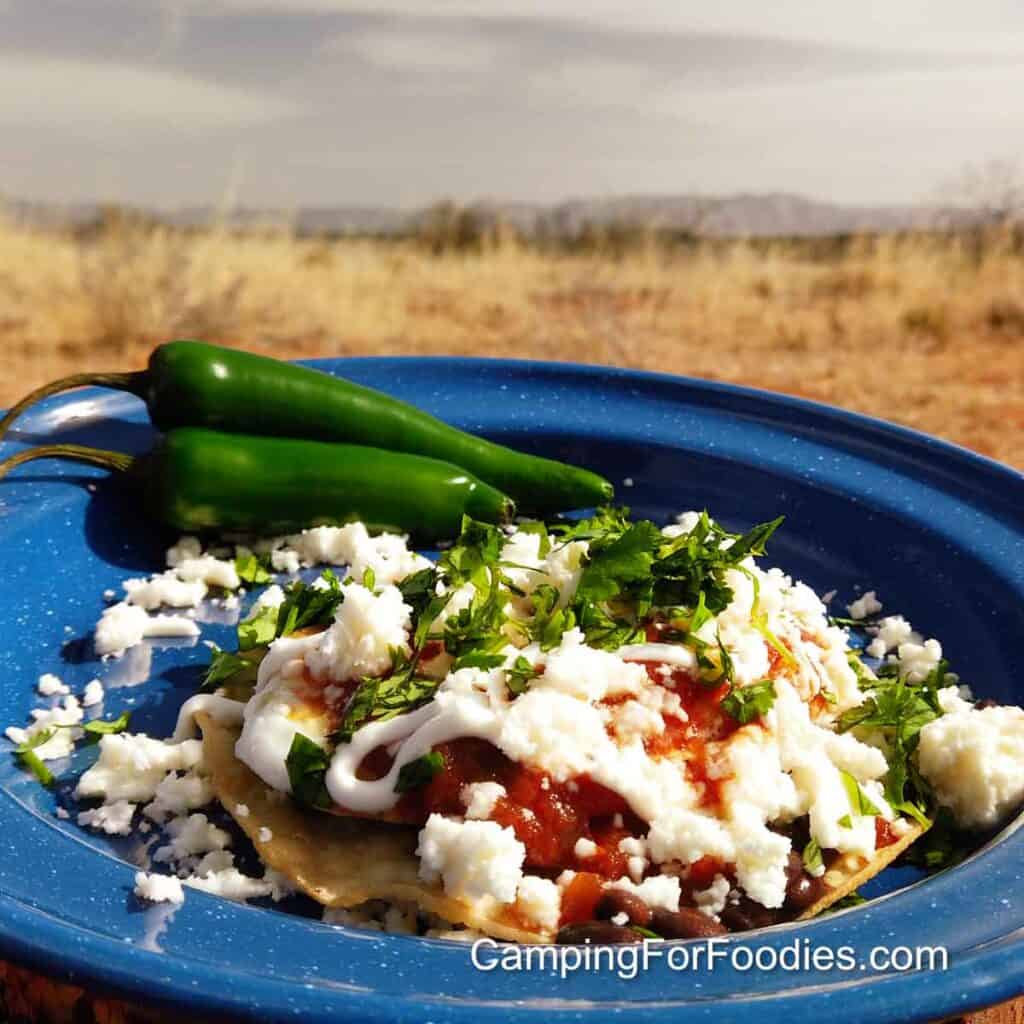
point(938, 531)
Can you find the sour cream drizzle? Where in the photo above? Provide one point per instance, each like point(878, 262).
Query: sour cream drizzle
point(477, 709)
point(225, 710)
point(269, 728)
point(414, 734)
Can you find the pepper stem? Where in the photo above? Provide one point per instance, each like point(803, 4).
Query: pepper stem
point(118, 461)
point(123, 381)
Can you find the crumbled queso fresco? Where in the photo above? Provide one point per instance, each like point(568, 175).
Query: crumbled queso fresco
point(558, 695)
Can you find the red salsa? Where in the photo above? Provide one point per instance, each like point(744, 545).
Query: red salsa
point(550, 817)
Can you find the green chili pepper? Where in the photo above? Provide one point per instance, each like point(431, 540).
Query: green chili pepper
point(197, 479)
point(192, 384)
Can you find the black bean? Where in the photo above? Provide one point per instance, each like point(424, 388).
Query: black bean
point(746, 915)
point(795, 866)
point(617, 901)
point(685, 923)
point(595, 932)
point(804, 891)
point(799, 833)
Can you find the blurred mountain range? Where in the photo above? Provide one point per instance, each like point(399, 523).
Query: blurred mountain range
point(744, 215)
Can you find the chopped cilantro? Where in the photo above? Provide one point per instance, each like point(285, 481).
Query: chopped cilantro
point(865, 679)
point(258, 630)
point(359, 709)
point(549, 621)
point(754, 541)
point(838, 620)
point(700, 614)
point(860, 804)
point(629, 569)
point(379, 699)
point(227, 667)
point(726, 670)
point(851, 899)
point(719, 671)
point(695, 563)
point(812, 857)
point(601, 628)
point(31, 760)
point(745, 703)
point(517, 678)
point(895, 705)
point(418, 773)
point(26, 752)
point(615, 564)
point(478, 627)
point(759, 620)
point(479, 659)
point(307, 764)
point(253, 569)
point(899, 709)
point(98, 727)
point(609, 520)
point(845, 821)
point(943, 845)
point(305, 605)
point(419, 589)
point(632, 568)
point(477, 550)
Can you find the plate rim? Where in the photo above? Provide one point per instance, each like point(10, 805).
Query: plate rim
point(982, 973)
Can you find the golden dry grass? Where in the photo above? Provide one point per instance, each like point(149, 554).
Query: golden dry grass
point(925, 331)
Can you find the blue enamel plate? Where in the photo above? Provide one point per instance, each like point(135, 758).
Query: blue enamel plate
point(937, 531)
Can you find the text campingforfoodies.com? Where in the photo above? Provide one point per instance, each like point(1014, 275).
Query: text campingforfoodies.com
point(630, 960)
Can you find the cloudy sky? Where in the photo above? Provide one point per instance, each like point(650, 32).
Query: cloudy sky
point(325, 102)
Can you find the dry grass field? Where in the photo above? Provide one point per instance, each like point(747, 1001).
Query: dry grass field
point(926, 331)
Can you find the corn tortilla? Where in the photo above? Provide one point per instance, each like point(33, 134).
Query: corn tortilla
point(339, 862)
point(850, 871)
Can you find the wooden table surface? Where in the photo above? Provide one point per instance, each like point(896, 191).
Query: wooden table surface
point(1007, 1013)
point(29, 997)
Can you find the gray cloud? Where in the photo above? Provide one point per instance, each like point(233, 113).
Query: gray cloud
point(330, 101)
